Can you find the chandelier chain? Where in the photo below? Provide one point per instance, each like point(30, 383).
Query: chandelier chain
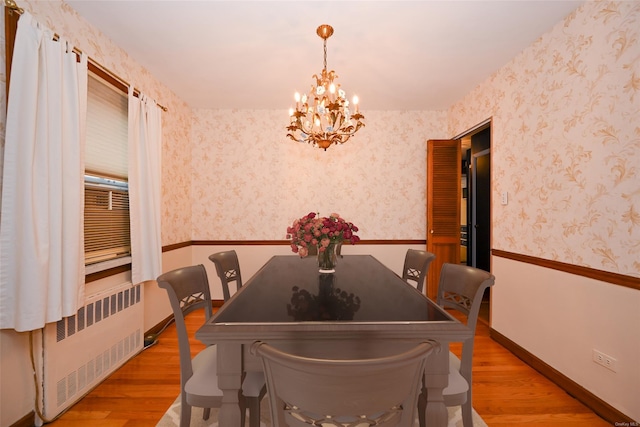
point(325, 54)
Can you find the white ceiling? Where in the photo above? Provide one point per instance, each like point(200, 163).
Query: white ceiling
point(395, 55)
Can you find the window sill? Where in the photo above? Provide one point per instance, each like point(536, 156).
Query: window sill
point(106, 268)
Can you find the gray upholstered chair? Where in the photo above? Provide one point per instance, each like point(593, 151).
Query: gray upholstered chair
point(416, 265)
point(188, 290)
point(461, 288)
point(228, 269)
point(307, 391)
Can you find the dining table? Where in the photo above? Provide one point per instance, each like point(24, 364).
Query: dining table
point(361, 310)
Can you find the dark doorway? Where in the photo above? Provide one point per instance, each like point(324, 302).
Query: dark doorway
point(481, 199)
point(478, 180)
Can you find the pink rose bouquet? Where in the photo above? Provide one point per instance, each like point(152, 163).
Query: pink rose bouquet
point(312, 230)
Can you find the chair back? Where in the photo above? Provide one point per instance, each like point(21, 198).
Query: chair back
point(228, 269)
point(308, 391)
point(462, 287)
point(416, 265)
point(188, 290)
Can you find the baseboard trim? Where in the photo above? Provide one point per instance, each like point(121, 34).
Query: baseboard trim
point(160, 326)
point(28, 420)
point(593, 402)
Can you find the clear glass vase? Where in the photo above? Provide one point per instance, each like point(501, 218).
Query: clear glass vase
point(327, 258)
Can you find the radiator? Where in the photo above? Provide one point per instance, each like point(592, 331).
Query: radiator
point(79, 351)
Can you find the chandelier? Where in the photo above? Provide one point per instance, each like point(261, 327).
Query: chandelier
point(324, 116)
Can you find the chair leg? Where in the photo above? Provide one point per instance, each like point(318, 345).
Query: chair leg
point(422, 407)
point(467, 411)
point(206, 413)
point(185, 412)
point(243, 409)
point(254, 411)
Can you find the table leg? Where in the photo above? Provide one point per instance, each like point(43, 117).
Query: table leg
point(230, 382)
point(436, 377)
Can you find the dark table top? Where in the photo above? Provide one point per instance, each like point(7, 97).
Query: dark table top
point(290, 289)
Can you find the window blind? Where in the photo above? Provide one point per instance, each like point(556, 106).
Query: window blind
point(106, 224)
point(106, 207)
point(107, 128)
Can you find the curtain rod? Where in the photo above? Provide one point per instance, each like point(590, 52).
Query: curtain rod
point(11, 4)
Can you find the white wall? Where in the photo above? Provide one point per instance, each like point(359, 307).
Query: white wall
point(17, 392)
point(560, 318)
point(156, 302)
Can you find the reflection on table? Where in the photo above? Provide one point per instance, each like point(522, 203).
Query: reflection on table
point(328, 303)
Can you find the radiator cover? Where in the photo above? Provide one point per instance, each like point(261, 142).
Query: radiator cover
point(80, 351)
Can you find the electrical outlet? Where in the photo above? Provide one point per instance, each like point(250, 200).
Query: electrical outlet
point(604, 360)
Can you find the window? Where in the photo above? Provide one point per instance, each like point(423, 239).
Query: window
point(106, 222)
point(106, 207)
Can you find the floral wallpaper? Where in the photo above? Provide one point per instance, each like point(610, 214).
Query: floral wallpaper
point(63, 20)
point(566, 141)
point(252, 182)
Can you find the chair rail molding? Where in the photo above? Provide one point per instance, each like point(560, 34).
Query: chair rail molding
point(592, 273)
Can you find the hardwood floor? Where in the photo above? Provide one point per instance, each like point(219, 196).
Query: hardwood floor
point(507, 392)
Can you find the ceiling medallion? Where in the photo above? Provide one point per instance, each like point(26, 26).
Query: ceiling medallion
point(324, 116)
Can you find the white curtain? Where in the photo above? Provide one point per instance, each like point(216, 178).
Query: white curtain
point(145, 152)
point(41, 229)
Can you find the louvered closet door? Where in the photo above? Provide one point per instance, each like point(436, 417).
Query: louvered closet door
point(443, 207)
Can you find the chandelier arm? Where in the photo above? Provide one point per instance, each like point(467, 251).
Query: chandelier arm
point(308, 130)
